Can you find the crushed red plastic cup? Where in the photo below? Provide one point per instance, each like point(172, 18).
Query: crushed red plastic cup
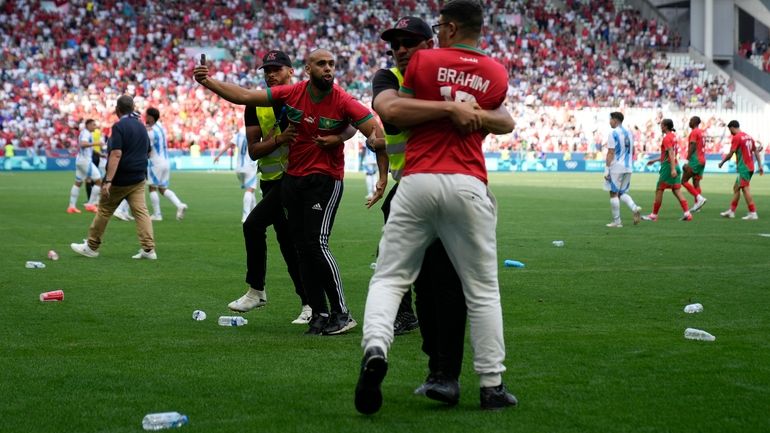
point(53, 255)
point(53, 296)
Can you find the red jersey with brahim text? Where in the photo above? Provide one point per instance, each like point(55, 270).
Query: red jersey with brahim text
point(312, 115)
point(459, 73)
point(743, 146)
point(696, 136)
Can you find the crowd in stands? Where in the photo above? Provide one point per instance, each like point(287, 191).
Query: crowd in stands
point(66, 61)
point(758, 52)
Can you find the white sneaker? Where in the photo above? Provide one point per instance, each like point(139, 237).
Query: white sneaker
point(615, 225)
point(149, 255)
point(637, 215)
point(180, 211)
point(728, 214)
point(698, 204)
point(156, 217)
point(123, 216)
point(751, 216)
point(251, 300)
point(84, 250)
point(304, 316)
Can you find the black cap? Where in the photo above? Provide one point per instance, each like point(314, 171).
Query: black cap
point(669, 124)
point(412, 25)
point(275, 58)
point(733, 124)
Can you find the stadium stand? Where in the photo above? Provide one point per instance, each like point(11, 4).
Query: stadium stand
point(65, 61)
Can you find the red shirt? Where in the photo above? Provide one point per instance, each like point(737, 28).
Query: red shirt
point(459, 73)
point(743, 145)
point(669, 142)
point(328, 114)
point(696, 135)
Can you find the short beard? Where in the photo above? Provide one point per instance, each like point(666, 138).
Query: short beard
point(321, 84)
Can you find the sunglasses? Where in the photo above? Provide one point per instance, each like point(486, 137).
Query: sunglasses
point(395, 44)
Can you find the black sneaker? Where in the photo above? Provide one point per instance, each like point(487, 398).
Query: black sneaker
point(405, 322)
point(443, 389)
point(317, 324)
point(339, 323)
point(496, 398)
point(374, 366)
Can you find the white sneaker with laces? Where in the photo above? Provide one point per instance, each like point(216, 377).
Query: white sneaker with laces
point(84, 250)
point(180, 211)
point(615, 224)
point(304, 317)
point(156, 217)
point(149, 255)
point(251, 300)
point(698, 204)
point(728, 214)
point(751, 216)
point(120, 215)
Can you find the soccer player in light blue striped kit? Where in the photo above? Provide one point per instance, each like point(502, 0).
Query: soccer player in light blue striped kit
point(619, 166)
point(158, 169)
point(245, 169)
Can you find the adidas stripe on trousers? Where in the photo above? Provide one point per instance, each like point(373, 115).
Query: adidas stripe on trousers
point(311, 204)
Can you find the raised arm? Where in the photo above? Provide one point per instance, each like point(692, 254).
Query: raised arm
point(231, 92)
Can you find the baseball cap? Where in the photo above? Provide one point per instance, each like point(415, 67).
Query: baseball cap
point(275, 58)
point(412, 25)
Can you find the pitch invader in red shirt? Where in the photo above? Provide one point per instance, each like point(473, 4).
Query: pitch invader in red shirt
point(443, 194)
point(745, 149)
point(696, 161)
point(670, 175)
point(318, 110)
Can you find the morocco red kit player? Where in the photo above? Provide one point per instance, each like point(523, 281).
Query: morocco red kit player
point(745, 149)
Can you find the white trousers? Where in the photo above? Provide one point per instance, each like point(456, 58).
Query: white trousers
point(462, 212)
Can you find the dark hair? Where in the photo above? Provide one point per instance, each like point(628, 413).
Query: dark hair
point(669, 124)
point(733, 124)
point(467, 14)
point(695, 119)
point(617, 115)
point(125, 104)
point(89, 121)
point(153, 112)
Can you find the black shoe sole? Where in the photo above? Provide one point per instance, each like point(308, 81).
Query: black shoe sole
point(368, 394)
point(438, 396)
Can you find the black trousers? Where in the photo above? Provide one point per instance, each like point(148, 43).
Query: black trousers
point(89, 182)
point(311, 204)
point(269, 212)
point(441, 307)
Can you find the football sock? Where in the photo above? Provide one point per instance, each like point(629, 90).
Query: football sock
point(752, 208)
point(691, 189)
point(625, 198)
point(174, 199)
point(656, 207)
point(95, 193)
point(155, 200)
point(685, 208)
point(74, 193)
point(734, 205)
point(615, 206)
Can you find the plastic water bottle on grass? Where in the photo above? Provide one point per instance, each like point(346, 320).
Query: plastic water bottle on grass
point(163, 420)
point(698, 334)
point(232, 321)
point(693, 308)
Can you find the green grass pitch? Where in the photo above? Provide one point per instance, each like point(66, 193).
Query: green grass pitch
point(594, 330)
